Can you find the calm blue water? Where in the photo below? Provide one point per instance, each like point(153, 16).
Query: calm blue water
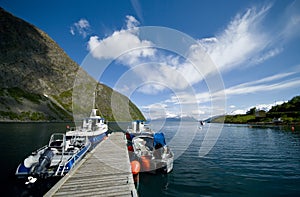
point(18, 140)
point(243, 162)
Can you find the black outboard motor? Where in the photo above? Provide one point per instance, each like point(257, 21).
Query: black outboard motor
point(44, 163)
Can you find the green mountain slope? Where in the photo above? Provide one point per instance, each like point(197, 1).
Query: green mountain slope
point(37, 77)
point(288, 112)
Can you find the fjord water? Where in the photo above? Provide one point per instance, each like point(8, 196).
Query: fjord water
point(245, 161)
point(18, 140)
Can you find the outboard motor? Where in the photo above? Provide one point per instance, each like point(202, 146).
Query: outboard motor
point(44, 162)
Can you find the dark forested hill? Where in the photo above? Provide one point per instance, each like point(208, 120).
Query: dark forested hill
point(37, 77)
point(292, 105)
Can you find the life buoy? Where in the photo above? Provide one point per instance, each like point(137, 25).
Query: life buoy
point(146, 166)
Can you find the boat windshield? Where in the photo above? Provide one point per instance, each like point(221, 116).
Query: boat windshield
point(144, 141)
point(57, 140)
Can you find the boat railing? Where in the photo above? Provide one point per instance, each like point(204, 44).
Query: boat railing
point(61, 165)
point(63, 170)
point(38, 150)
point(75, 128)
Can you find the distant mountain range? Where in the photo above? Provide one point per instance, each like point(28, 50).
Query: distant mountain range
point(37, 78)
point(264, 107)
point(176, 118)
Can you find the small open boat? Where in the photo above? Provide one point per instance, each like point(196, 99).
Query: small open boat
point(202, 123)
point(55, 159)
point(149, 149)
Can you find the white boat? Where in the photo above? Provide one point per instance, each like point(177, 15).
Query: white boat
point(277, 121)
point(139, 126)
point(55, 159)
point(149, 148)
point(202, 123)
point(94, 127)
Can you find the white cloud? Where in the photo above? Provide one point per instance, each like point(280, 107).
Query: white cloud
point(197, 112)
point(127, 47)
point(137, 8)
point(265, 80)
point(291, 21)
point(245, 41)
point(82, 27)
point(266, 107)
point(265, 56)
point(163, 110)
point(132, 23)
point(162, 76)
point(264, 85)
point(125, 41)
point(156, 111)
point(241, 41)
point(117, 44)
point(238, 111)
point(252, 87)
point(72, 31)
point(262, 88)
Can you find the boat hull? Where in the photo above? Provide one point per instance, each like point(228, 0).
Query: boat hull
point(95, 140)
point(58, 164)
point(95, 137)
point(153, 159)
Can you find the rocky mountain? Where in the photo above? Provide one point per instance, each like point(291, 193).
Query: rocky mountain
point(37, 78)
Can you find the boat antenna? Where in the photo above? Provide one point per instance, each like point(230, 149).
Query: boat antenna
point(94, 100)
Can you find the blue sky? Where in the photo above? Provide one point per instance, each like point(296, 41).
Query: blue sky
point(178, 58)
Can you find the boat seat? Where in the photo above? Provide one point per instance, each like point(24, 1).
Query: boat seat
point(56, 144)
point(67, 145)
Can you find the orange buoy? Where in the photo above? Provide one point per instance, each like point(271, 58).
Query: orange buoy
point(293, 128)
point(145, 163)
point(135, 167)
point(130, 148)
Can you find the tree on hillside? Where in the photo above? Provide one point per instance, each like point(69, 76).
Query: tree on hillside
point(251, 111)
point(292, 105)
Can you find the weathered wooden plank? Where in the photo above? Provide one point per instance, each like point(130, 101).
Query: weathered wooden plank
point(103, 172)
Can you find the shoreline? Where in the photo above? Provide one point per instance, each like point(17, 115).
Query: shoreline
point(261, 123)
point(275, 124)
point(16, 121)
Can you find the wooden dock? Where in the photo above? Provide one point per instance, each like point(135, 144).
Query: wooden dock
point(105, 171)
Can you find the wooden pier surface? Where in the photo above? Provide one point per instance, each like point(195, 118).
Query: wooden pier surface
point(105, 171)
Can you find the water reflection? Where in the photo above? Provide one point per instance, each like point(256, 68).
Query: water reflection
point(246, 160)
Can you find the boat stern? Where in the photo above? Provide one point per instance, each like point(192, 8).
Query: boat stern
point(22, 171)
